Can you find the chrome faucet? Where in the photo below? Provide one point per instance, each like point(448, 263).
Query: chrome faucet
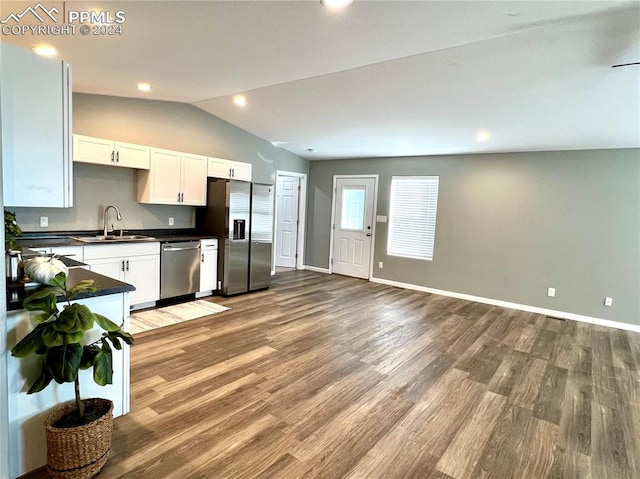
point(105, 217)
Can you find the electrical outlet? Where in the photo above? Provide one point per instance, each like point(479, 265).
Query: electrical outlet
point(380, 264)
point(608, 301)
point(551, 292)
point(44, 222)
point(170, 220)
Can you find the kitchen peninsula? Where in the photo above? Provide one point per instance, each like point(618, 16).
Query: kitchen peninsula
point(28, 412)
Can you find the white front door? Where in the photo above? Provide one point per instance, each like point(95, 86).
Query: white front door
point(353, 226)
point(287, 188)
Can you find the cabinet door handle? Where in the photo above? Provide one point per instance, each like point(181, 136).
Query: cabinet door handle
point(233, 172)
point(112, 156)
point(122, 265)
point(118, 157)
point(178, 197)
point(202, 258)
point(230, 174)
point(127, 265)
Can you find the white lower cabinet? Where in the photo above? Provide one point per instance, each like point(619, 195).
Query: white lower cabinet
point(73, 252)
point(208, 265)
point(137, 264)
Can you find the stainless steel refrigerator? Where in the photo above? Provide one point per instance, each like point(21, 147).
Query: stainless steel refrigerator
point(243, 265)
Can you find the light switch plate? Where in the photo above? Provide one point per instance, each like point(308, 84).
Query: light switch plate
point(44, 222)
point(381, 219)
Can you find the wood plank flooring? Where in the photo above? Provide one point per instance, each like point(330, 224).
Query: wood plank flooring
point(324, 376)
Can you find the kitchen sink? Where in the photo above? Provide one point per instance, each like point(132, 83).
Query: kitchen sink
point(112, 238)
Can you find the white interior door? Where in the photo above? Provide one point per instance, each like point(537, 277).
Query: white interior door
point(353, 226)
point(287, 190)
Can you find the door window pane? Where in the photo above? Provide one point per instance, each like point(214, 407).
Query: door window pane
point(352, 217)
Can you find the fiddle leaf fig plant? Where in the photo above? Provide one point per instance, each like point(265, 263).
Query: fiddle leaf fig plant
point(59, 338)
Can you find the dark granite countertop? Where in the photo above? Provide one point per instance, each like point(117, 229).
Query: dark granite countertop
point(17, 292)
point(65, 238)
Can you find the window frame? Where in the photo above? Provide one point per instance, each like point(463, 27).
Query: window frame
point(423, 226)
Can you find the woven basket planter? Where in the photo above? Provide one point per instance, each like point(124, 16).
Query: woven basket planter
point(79, 452)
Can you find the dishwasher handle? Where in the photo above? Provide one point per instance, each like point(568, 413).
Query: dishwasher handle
point(181, 248)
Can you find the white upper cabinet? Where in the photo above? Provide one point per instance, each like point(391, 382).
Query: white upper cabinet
point(174, 178)
point(194, 179)
point(36, 130)
point(228, 169)
point(87, 149)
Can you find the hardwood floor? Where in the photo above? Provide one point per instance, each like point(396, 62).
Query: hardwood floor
point(331, 377)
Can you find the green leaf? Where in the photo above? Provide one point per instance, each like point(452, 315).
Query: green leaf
point(70, 338)
point(59, 281)
point(32, 342)
point(105, 323)
point(63, 362)
point(42, 300)
point(42, 382)
point(51, 337)
point(115, 341)
point(73, 318)
point(126, 337)
point(103, 365)
point(84, 286)
point(44, 317)
point(88, 356)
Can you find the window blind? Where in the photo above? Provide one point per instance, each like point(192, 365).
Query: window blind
point(412, 216)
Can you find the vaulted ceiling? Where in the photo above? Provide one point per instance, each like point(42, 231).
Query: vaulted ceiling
point(379, 78)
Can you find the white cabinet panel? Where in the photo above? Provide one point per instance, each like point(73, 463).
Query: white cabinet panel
point(228, 169)
point(137, 264)
point(209, 265)
point(174, 178)
point(88, 149)
point(73, 252)
point(194, 180)
point(36, 130)
point(129, 155)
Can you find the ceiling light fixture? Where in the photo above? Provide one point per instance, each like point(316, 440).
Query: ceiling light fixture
point(335, 4)
point(240, 100)
point(44, 50)
point(483, 136)
point(144, 87)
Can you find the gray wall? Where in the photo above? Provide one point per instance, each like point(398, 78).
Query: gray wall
point(510, 225)
point(175, 126)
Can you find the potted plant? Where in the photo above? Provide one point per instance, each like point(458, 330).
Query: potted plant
point(11, 231)
point(78, 433)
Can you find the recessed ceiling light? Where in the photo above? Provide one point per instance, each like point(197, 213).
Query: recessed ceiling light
point(333, 4)
point(144, 87)
point(311, 150)
point(240, 100)
point(483, 136)
point(44, 50)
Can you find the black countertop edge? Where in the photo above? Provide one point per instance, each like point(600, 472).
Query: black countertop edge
point(16, 292)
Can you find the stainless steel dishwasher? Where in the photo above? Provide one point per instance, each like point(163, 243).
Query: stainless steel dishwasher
point(179, 268)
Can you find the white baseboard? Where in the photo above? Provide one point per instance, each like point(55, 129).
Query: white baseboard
point(316, 269)
point(505, 304)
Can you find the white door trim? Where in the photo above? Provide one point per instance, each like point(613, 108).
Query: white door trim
point(333, 217)
point(302, 217)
